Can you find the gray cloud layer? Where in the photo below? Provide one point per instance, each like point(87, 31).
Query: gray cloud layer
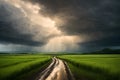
point(85, 16)
point(10, 19)
point(96, 20)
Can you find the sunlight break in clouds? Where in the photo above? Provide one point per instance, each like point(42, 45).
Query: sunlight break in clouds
point(62, 43)
point(44, 29)
point(45, 25)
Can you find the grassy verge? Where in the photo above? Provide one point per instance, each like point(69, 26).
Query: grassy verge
point(21, 67)
point(82, 72)
point(33, 72)
point(94, 67)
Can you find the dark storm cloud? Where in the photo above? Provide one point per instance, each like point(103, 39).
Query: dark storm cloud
point(54, 7)
point(106, 42)
point(97, 19)
point(113, 41)
point(8, 27)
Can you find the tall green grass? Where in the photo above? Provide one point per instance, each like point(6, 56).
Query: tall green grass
point(14, 66)
point(94, 67)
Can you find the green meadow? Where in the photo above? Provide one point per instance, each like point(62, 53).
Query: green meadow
point(94, 67)
point(21, 67)
point(83, 67)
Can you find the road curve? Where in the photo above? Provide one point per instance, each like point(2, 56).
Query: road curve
point(57, 70)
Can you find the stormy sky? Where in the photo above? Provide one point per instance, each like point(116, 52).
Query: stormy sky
point(59, 25)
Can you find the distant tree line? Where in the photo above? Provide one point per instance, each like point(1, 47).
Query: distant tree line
point(106, 51)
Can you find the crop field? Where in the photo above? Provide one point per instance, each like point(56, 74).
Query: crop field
point(94, 67)
point(83, 67)
point(21, 67)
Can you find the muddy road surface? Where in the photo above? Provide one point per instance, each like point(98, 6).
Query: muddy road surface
point(57, 70)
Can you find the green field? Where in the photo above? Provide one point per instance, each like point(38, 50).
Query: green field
point(94, 67)
point(21, 67)
point(83, 67)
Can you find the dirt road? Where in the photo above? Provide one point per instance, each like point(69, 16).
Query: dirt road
point(57, 70)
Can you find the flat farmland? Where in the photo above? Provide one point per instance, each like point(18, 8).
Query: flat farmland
point(94, 67)
point(59, 67)
point(21, 67)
